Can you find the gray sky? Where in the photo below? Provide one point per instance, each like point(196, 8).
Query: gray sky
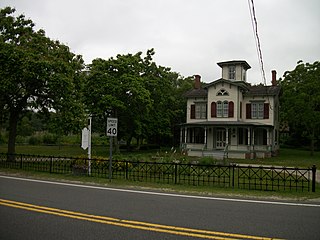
point(190, 36)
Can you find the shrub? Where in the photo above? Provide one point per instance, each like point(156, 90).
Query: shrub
point(50, 138)
point(35, 140)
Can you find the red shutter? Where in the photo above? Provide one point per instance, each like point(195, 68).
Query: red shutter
point(266, 111)
point(231, 109)
point(193, 111)
point(213, 109)
point(248, 110)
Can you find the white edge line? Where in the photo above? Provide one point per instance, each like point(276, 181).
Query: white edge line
point(161, 194)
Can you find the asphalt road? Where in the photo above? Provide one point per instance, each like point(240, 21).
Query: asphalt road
point(45, 210)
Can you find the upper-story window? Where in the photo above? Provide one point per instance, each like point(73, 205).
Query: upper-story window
point(222, 109)
point(198, 111)
point(232, 72)
point(223, 92)
point(257, 110)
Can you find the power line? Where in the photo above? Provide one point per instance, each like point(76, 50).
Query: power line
point(257, 39)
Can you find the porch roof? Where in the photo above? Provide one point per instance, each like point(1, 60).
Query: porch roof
point(225, 124)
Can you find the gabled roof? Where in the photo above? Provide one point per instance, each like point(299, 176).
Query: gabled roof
point(197, 93)
point(257, 90)
point(241, 84)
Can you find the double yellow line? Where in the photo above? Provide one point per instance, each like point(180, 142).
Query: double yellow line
point(127, 223)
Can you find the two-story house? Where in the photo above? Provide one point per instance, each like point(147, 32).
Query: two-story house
point(230, 118)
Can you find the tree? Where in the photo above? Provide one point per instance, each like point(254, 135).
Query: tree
point(146, 98)
point(300, 100)
point(115, 87)
point(36, 73)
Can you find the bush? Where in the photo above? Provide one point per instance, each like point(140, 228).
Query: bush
point(35, 140)
point(50, 138)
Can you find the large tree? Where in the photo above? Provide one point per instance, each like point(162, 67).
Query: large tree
point(36, 73)
point(115, 87)
point(146, 98)
point(300, 100)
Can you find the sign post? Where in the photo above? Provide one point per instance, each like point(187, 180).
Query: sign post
point(89, 143)
point(112, 130)
point(86, 142)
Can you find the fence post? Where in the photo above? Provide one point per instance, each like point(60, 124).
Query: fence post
point(51, 162)
point(233, 166)
point(314, 169)
point(21, 158)
point(127, 166)
point(175, 173)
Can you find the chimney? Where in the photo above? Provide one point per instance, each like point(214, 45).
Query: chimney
point(274, 78)
point(197, 84)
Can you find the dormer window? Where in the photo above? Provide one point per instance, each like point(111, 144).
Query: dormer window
point(223, 92)
point(232, 72)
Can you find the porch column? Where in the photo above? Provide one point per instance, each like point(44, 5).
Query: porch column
point(185, 134)
point(227, 136)
point(181, 130)
point(249, 137)
point(268, 137)
point(205, 137)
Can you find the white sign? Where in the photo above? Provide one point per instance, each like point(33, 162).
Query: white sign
point(112, 127)
point(85, 138)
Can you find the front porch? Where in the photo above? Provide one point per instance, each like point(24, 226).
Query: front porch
point(229, 141)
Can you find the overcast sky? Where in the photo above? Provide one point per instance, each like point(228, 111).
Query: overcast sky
point(189, 36)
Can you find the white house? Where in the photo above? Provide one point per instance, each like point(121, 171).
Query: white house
point(230, 118)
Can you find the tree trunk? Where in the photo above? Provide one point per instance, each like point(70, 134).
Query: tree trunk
point(312, 142)
point(13, 123)
point(129, 144)
point(116, 145)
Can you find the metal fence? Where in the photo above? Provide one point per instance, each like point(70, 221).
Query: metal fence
point(235, 176)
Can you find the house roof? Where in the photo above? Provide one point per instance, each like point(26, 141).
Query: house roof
point(235, 62)
point(194, 93)
point(261, 90)
point(233, 82)
point(256, 90)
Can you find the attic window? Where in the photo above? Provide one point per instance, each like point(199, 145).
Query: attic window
point(223, 92)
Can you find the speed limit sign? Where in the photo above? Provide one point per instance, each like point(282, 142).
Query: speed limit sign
point(112, 127)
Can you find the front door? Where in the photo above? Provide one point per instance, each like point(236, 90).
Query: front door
point(221, 139)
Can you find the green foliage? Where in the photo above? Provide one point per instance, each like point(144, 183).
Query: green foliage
point(300, 100)
point(37, 73)
point(146, 98)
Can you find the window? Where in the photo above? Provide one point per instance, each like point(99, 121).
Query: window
point(222, 109)
point(232, 72)
point(201, 111)
point(257, 110)
point(223, 92)
point(198, 111)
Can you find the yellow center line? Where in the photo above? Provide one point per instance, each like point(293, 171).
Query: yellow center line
point(128, 223)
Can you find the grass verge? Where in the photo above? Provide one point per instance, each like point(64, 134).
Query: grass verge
point(170, 188)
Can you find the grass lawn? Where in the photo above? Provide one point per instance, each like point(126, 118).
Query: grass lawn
point(287, 157)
